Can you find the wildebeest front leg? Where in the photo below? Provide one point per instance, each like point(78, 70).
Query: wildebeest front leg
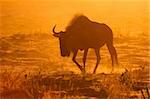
point(74, 60)
point(98, 59)
point(84, 58)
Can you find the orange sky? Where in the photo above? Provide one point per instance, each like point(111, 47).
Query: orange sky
point(27, 16)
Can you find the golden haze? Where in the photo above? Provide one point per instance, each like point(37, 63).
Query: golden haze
point(27, 16)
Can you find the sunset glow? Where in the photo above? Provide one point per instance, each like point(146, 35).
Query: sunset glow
point(74, 49)
point(125, 16)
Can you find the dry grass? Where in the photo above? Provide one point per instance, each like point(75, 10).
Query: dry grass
point(65, 84)
point(30, 71)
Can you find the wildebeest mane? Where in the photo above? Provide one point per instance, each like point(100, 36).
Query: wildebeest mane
point(78, 22)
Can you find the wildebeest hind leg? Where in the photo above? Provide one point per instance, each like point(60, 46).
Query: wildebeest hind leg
point(113, 54)
point(74, 60)
point(98, 59)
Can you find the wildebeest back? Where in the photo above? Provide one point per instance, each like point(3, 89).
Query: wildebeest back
point(87, 33)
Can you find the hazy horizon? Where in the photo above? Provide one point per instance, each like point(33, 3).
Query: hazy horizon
point(131, 17)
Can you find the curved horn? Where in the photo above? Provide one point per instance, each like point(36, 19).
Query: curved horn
point(54, 30)
point(55, 33)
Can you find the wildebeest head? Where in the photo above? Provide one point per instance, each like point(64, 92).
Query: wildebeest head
point(63, 42)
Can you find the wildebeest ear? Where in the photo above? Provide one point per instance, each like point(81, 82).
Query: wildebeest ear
point(56, 35)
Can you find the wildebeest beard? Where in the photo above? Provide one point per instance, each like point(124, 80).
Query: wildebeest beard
point(63, 48)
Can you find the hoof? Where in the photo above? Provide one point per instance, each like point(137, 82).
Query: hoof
point(94, 72)
point(112, 71)
point(83, 71)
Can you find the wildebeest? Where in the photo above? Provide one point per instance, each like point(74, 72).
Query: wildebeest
point(82, 34)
